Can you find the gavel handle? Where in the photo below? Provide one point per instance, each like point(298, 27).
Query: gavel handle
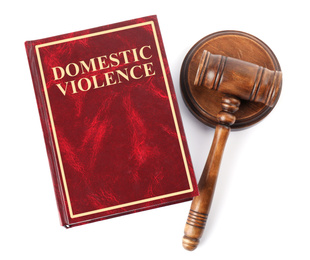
point(201, 204)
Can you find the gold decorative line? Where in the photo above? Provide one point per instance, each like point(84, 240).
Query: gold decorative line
point(132, 203)
point(72, 215)
point(172, 108)
point(54, 130)
point(94, 34)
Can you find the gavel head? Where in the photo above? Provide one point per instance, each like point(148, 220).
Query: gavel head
point(239, 78)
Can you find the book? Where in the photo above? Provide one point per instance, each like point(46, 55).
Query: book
point(111, 122)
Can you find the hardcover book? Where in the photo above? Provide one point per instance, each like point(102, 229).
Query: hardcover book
point(111, 122)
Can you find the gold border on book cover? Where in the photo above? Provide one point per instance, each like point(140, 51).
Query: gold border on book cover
point(63, 176)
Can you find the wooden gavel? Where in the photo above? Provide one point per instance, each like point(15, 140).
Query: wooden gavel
point(237, 79)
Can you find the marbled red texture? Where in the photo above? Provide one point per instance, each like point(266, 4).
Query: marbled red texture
point(118, 143)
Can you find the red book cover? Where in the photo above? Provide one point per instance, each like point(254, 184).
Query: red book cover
point(111, 122)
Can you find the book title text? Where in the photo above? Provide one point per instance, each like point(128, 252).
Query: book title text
point(115, 68)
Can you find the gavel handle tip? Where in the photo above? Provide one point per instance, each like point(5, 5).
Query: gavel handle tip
point(190, 244)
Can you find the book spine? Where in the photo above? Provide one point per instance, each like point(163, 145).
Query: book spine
point(48, 138)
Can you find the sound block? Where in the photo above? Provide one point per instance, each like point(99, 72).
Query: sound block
point(205, 103)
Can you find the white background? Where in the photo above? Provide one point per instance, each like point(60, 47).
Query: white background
point(261, 207)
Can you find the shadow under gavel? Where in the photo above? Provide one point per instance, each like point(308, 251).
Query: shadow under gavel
point(238, 80)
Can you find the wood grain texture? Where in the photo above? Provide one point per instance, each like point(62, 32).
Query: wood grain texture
point(201, 204)
point(246, 80)
point(205, 103)
point(228, 80)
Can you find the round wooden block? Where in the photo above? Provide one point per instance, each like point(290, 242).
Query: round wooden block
point(204, 103)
